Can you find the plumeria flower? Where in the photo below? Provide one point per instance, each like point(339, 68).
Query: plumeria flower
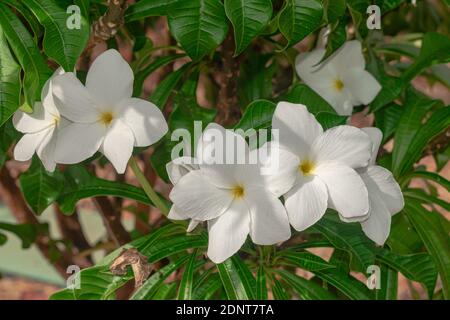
point(233, 198)
point(321, 166)
point(176, 169)
point(105, 116)
point(40, 128)
point(385, 195)
point(341, 80)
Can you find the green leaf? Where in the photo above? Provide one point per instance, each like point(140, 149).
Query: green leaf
point(388, 5)
point(255, 78)
point(304, 260)
point(198, 25)
point(162, 92)
point(142, 74)
point(348, 237)
point(435, 239)
point(299, 18)
point(415, 109)
point(206, 289)
point(423, 197)
point(416, 267)
point(26, 232)
point(187, 281)
point(386, 119)
point(348, 285)
point(249, 18)
point(28, 16)
point(80, 184)
point(153, 283)
point(437, 123)
point(433, 176)
point(175, 245)
point(61, 43)
point(10, 84)
point(358, 11)
point(237, 280)
point(307, 290)
point(257, 115)
point(3, 239)
point(334, 9)
point(27, 53)
point(302, 94)
point(329, 120)
point(261, 285)
point(388, 285)
point(147, 8)
point(166, 292)
point(435, 49)
point(40, 187)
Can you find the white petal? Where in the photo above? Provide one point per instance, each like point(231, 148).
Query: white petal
point(218, 152)
point(279, 167)
point(78, 141)
point(46, 150)
point(197, 198)
point(346, 144)
point(110, 79)
point(145, 119)
point(378, 224)
point(28, 144)
point(179, 167)
point(348, 56)
point(306, 203)
point(387, 189)
point(311, 73)
point(362, 85)
point(176, 214)
point(376, 136)
point(297, 127)
point(47, 93)
point(269, 221)
point(347, 193)
point(118, 145)
point(73, 100)
point(228, 232)
point(33, 122)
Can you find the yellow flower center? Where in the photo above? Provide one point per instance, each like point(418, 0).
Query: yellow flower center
point(338, 85)
point(106, 118)
point(56, 121)
point(306, 167)
point(238, 191)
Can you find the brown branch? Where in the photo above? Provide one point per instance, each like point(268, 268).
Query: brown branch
point(71, 230)
point(12, 196)
point(227, 106)
point(111, 219)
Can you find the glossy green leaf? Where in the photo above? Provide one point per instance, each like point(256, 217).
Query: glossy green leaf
point(417, 267)
point(249, 18)
point(299, 18)
point(61, 43)
point(27, 53)
point(304, 260)
point(302, 94)
point(386, 119)
point(432, 176)
point(347, 284)
point(389, 284)
point(257, 115)
point(198, 25)
point(307, 290)
point(261, 284)
point(334, 9)
point(10, 84)
point(26, 232)
point(434, 237)
point(80, 184)
point(161, 94)
point(40, 187)
point(208, 287)
point(147, 8)
point(237, 280)
point(187, 281)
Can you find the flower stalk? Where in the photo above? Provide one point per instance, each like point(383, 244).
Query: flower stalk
point(148, 189)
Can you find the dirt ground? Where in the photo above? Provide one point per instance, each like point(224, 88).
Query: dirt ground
point(12, 288)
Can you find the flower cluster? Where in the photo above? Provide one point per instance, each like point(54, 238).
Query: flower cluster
point(73, 121)
point(317, 170)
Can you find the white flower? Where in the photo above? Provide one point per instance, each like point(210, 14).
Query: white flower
point(233, 198)
point(321, 166)
point(105, 116)
point(40, 128)
point(385, 195)
point(176, 169)
point(341, 80)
